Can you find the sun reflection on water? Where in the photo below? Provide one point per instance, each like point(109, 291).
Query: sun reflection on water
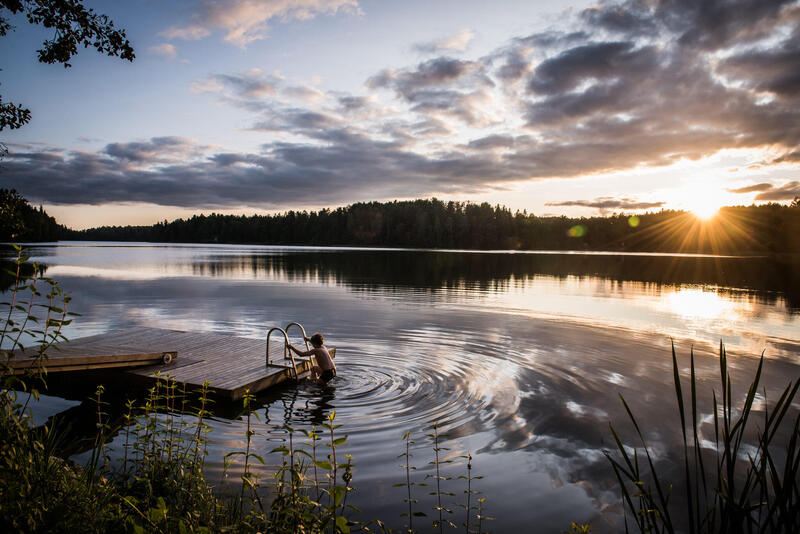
point(697, 303)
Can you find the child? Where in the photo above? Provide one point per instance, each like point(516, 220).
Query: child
point(326, 369)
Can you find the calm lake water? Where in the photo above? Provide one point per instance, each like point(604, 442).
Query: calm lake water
point(520, 357)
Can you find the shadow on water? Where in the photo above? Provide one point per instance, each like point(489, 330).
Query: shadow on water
point(296, 404)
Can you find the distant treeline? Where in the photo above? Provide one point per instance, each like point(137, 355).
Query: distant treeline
point(771, 228)
point(19, 221)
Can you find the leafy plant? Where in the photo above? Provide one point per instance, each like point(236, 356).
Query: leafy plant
point(407, 467)
point(438, 478)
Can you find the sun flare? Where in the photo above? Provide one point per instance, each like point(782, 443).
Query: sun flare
point(705, 211)
point(704, 201)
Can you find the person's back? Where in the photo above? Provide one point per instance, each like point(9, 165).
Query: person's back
point(324, 358)
point(325, 369)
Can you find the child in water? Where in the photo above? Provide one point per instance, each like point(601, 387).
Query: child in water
point(326, 369)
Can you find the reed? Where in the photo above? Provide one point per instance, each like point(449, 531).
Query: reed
point(735, 485)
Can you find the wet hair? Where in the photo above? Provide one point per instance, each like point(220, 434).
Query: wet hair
point(316, 339)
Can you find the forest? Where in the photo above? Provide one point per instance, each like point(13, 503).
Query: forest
point(432, 223)
point(21, 222)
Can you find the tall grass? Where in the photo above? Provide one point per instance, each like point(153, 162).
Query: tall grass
point(737, 484)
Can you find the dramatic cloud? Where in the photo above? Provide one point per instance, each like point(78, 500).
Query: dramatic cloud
point(457, 42)
point(629, 85)
point(245, 21)
point(610, 203)
point(442, 87)
point(176, 172)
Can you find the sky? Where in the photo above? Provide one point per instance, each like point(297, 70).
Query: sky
point(555, 107)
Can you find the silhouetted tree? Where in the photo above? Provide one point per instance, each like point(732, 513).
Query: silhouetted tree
point(19, 221)
point(430, 223)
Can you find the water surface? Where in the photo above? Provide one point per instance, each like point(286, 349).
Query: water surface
point(520, 357)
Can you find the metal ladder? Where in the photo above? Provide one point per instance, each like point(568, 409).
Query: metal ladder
point(287, 354)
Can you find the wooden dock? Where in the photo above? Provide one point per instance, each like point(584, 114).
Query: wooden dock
point(231, 364)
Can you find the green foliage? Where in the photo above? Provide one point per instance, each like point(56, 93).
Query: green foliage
point(577, 528)
point(473, 506)
point(734, 486)
point(408, 468)
point(72, 25)
point(438, 478)
point(39, 492)
point(432, 223)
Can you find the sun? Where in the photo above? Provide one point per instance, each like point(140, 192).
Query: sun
point(703, 202)
point(705, 211)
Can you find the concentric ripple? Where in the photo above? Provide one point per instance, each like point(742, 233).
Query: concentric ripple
point(406, 383)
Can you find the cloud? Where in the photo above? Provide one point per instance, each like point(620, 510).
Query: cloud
point(438, 71)
point(621, 86)
point(773, 70)
point(245, 21)
point(770, 192)
point(752, 188)
point(166, 50)
point(788, 191)
point(593, 61)
point(695, 25)
point(178, 172)
point(441, 87)
point(304, 93)
point(252, 85)
point(158, 150)
point(492, 142)
point(256, 91)
point(458, 42)
point(610, 203)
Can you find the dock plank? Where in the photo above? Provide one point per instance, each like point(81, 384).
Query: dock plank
point(231, 364)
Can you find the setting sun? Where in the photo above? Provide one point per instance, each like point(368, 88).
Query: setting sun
point(705, 211)
point(703, 201)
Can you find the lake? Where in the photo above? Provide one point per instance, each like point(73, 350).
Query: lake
point(519, 356)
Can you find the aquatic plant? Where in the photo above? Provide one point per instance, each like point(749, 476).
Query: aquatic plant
point(407, 467)
point(469, 492)
point(438, 478)
point(731, 485)
point(474, 516)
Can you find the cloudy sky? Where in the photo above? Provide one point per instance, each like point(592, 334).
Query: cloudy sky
point(558, 107)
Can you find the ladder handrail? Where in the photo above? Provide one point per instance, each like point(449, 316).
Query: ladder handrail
point(285, 350)
point(302, 331)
